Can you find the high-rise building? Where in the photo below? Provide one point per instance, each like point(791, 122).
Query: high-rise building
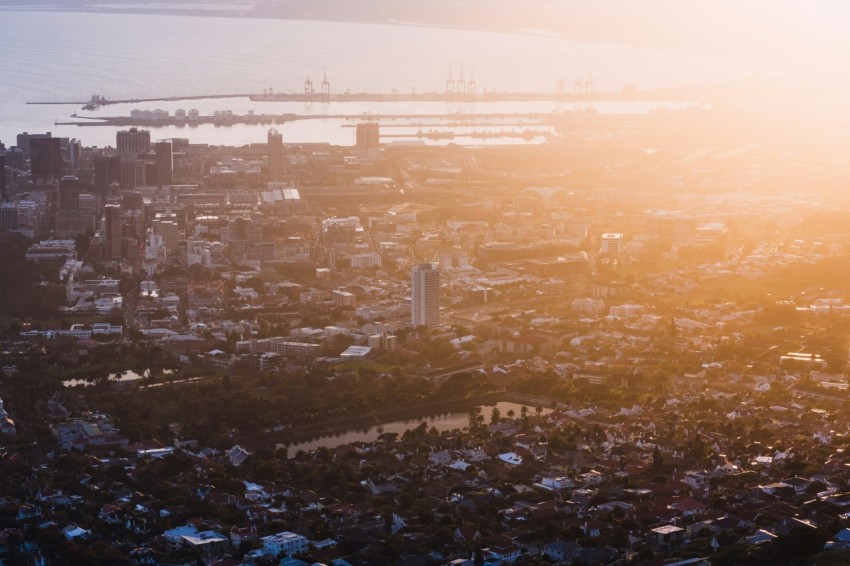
point(170, 233)
point(425, 295)
point(8, 216)
point(132, 200)
point(180, 155)
point(73, 223)
point(107, 170)
point(3, 194)
point(164, 162)
point(368, 135)
point(24, 142)
point(180, 145)
point(112, 215)
point(277, 156)
point(45, 157)
point(132, 173)
point(75, 152)
point(15, 158)
point(133, 142)
point(89, 202)
point(612, 244)
point(69, 193)
point(30, 218)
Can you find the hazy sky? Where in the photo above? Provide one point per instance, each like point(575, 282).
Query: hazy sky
point(804, 36)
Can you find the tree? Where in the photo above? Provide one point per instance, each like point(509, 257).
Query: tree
point(474, 413)
point(495, 415)
point(657, 460)
point(13, 543)
point(478, 556)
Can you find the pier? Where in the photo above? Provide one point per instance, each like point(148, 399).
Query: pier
point(97, 101)
point(232, 119)
point(558, 95)
point(486, 96)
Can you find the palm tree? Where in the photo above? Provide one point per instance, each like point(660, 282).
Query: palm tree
point(495, 415)
point(474, 413)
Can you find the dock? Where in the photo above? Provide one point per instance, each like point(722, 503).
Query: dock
point(559, 95)
point(233, 119)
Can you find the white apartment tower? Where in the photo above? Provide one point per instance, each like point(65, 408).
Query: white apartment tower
point(612, 244)
point(425, 295)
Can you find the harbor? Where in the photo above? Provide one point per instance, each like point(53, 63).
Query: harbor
point(227, 118)
point(456, 91)
point(240, 121)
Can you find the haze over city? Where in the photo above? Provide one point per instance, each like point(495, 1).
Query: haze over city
point(424, 282)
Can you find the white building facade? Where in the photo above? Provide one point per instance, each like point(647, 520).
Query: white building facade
point(425, 295)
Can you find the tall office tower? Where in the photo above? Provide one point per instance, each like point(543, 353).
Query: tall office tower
point(15, 158)
point(425, 295)
point(24, 140)
point(75, 152)
point(132, 200)
point(277, 156)
point(8, 216)
point(112, 215)
point(107, 170)
point(132, 173)
point(180, 156)
point(3, 195)
point(170, 233)
point(45, 158)
point(133, 142)
point(164, 163)
point(69, 193)
point(180, 145)
point(368, 135)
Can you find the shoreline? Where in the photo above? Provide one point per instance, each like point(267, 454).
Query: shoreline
point(518, 29)
point(305, 433)
point(301, 434)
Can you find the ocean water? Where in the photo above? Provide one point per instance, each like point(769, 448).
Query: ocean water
point(59, 56)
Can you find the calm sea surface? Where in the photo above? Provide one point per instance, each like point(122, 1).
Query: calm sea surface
point(55, 56)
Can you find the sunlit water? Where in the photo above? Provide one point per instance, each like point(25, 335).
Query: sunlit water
point(122, 377)
point(450, 421)
point(56, 56)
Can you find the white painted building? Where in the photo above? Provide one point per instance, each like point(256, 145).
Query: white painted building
point(284, 543)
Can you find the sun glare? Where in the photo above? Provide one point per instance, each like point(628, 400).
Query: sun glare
point(425, 282)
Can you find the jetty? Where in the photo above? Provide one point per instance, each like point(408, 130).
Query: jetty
point(559, 95)
point(228, 119)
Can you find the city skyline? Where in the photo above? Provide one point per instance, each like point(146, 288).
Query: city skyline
point(419, 283)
